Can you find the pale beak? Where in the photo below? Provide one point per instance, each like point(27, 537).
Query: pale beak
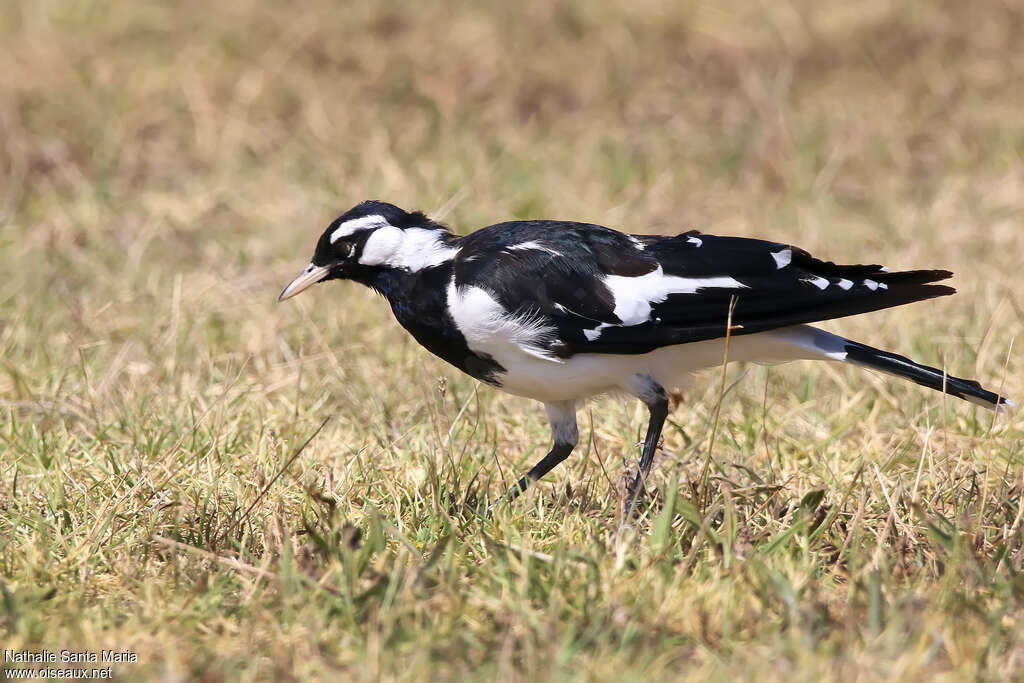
point(307, 278)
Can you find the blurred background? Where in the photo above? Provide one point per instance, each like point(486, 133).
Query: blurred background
point(214, 141)
point(196, 150)
point(166, 167)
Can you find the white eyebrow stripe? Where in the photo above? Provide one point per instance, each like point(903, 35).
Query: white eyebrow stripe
point(349, 227)
point(696, 241)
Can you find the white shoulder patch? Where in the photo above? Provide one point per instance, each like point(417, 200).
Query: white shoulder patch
point(349, 227)
point(490, 329)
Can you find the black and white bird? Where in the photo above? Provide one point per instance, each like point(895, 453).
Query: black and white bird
point(561, 311)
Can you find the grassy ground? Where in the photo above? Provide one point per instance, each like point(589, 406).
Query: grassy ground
point(165, 170)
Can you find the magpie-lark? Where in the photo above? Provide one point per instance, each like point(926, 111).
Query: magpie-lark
point(560, 311)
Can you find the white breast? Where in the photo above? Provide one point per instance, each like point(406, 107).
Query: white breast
point(491, 329)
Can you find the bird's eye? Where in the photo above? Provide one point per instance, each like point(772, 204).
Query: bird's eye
point(348, 248)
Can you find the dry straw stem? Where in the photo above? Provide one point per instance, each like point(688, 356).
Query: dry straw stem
point(166, 167)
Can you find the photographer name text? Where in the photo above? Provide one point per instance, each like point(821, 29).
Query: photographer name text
point(70, 656)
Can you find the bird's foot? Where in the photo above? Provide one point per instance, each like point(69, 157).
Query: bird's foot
point(510, 495)
point(636, 504)
point(636, 501)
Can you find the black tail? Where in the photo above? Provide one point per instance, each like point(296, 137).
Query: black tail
point(967, 389)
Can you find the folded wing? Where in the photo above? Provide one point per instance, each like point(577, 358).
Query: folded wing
point(600, 291)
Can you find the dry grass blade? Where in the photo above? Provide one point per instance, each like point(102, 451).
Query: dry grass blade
point(284, 468)
point(702, 496)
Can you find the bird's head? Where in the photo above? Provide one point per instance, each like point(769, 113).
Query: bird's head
point(373, 238)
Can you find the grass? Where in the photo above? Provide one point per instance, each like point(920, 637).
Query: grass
point(165, 170)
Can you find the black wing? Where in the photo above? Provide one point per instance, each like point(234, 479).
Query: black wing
point(574, 277)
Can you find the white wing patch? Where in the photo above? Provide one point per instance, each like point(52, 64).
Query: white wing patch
point(782, 258)
point(412, 249)
point(490, 329)
point(349, 227)
point(844, 283)
point(635, 295)
point(819, 282)
point(595, 333)
point(533, 244)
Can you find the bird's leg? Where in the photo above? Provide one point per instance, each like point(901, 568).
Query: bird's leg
point(657, 403)
point(558, 453)
point(562, 416)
